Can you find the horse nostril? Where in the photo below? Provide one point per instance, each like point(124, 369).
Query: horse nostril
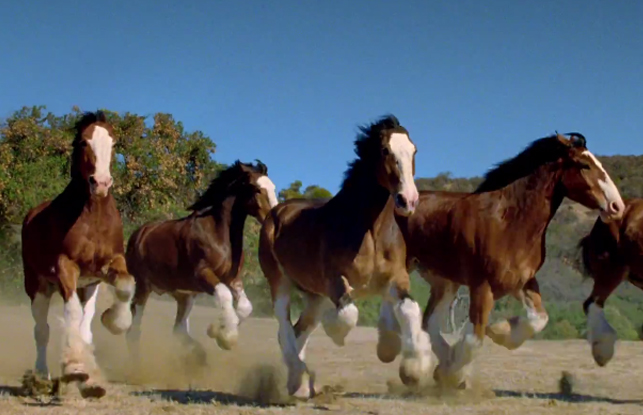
point(92, 180)
point(400, 201)
point(614, 207)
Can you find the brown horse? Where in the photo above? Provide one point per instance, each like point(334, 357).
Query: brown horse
point(71, 244)
point(201, 253)
point(344, 248)
point(493, 241)
point(612, 253)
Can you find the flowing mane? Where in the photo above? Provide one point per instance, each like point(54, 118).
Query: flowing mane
point(221, 186)
point(368, 145)
point(539, 152)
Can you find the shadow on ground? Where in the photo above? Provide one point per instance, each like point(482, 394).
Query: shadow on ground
point(206, 397)
point(572, 397)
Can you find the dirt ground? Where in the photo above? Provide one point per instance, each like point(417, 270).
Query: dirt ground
point(352, 379)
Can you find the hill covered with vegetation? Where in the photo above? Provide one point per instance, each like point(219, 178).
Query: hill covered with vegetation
point(160, 168)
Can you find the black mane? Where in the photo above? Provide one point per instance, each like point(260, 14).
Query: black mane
point(539, 152)
point(368, 145)
point(221, 186)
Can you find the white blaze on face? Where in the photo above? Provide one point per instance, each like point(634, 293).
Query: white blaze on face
point(403, 150)
point(269, 186)
point(613, 201)
point(101, 144)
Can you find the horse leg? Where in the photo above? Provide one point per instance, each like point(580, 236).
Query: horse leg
point(514, 332)
point(40, 311)
point(78, 362)
point(462, 353)
point(600, 334)
point(339, 321)
point(244, 306)
point(133, 335)
point(118, 318)
point(416, 347)
point(184, 304)
point(225, 328)
point(87, 298)
point(305, 326)
point(389, 343)
point(443, 292)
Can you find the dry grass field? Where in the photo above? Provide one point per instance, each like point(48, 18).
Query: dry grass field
point(247, 379)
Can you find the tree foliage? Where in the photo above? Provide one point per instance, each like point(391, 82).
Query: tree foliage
point(157, 167)
point(311, 192)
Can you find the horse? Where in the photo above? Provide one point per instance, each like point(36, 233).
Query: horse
point(611, 253)
point(201, 253)
point(71, 244)
point(493, 241)
point(346, 247)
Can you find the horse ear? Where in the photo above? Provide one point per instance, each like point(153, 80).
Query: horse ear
point(577, 140)
point(261, 168)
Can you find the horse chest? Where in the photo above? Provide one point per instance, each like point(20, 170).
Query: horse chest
point(372, 261)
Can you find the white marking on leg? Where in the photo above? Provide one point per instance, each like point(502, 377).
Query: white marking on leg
point(338, 323)
point(40, 311)
point(288, 344)
point(403, 150)
point(600, 335)
point(458, 368)
point(312, 315)
point(133, 335)
point(416, 348)
point(610, 191)
point(225, 329)
point(89, 309)
point(118, 318)
point(101, 144)
point(75, 352)
point(244, 306)
point(269, 187)
point(182, 322)
point(436, 321)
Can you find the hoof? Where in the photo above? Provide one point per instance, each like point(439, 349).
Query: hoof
point(388, 346)
point(301, 384)
point(117, 322)
point(414, 370)
point(602, 353)
point(92, 390)
point(226, 339)
point(74, 373)
point(447, 380)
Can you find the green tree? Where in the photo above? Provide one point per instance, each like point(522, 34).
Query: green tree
point(311, 192)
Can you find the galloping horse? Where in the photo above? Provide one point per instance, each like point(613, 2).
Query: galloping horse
point(344, 248)
point(201, 253)
point(71, 244)
point(612, 253)
point(493, 241)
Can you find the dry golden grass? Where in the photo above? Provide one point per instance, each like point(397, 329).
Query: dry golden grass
point(251, 377)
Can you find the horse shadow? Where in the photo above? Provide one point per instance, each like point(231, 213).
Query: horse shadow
point(191, 397)
point(567, 397)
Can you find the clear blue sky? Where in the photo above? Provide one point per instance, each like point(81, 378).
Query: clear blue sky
point(287, 81)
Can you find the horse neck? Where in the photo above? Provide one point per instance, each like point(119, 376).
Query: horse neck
point(229, 220)
point(76, 200)
point(362, 203)
point(535, 199)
